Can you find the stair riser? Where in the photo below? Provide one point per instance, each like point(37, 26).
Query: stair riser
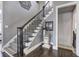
point(27, 44)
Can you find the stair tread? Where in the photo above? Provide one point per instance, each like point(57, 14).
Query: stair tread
point(37, 30)
point(28, 44)
point(34, 34)
point(31, 37)
point(10, 51)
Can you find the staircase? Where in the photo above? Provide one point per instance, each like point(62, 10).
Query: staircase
point(31, 32)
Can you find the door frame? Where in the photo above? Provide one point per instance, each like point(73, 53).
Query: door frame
point(57, 7)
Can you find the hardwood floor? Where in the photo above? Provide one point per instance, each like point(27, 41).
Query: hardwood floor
point(65, 53)
point(43, 52)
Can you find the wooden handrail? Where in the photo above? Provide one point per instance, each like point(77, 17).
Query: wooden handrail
point(34, 16)
point(31, 19)
point(46, 4)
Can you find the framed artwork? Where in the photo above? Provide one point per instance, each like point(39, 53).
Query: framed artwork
point(49, 25)
point(25, 4)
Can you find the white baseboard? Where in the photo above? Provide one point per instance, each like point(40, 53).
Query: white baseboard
point(27, 51)
point(65, 47)
point(54, 47)
point(77, 55)
point(7, 44)
point(8, 53)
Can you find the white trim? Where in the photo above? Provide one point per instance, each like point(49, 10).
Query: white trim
point(8, 53)
point(67, 4)
point(65, 47)
point(27, 51)
point(7, 44)
point(54, 47)
point(57, 27)
point(61, 6)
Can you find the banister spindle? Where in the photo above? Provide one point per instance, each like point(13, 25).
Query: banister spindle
point(43, 11)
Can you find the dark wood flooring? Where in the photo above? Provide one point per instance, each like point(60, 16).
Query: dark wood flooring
point(65, 53)
point(43, 52)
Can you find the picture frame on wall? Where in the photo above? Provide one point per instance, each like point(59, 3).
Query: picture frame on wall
point(49, 25)
point(25, 4)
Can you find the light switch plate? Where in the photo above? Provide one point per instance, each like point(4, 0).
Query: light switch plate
point(6, 26)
